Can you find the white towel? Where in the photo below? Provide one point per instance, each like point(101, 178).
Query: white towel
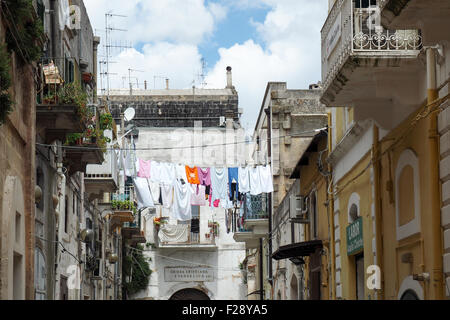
point(173, 233)
point(265, 175)
point(167, 196)
point(144, 197)
point(182, 204)
point(244, 180)
point(255, 181)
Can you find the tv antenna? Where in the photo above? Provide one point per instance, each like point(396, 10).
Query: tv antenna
point(202, 76)
point(129, 78)
point(108, 29)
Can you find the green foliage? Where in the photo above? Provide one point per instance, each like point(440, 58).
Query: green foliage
point(106, 121)
point(123, 205)
point(26, 30)
point(136, 266)
point(72, 138)
point(6, 102)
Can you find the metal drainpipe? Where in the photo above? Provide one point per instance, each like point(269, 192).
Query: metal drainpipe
point(331, 208)
point(269, 153)
point(261, 269)
point(433, 139)
point(378, 216)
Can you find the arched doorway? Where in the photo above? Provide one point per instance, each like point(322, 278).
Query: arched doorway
point(409, 295)
point(294, 288)
point(189, 294)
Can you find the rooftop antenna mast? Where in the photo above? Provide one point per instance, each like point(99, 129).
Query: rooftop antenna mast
point(108, 29)
point(202, 76)
point(129, 78)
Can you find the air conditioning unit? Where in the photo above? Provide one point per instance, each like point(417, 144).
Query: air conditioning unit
point(298, 209)
point(221, 121)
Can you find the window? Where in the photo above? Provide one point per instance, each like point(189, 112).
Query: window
point(364, 3)
point(69, 74)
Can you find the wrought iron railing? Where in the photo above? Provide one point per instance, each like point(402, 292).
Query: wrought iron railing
point(253, 208)
point(353, 27)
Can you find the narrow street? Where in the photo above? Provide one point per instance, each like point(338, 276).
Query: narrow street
point(234, 151)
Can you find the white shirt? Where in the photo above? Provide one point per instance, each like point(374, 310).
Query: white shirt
point(167, 173)
point(219, 184)
point(155, 171)
point(181, 172)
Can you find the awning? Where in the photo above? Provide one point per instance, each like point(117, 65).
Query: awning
point(299, 249)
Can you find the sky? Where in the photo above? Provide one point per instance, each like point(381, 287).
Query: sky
point(262, 40)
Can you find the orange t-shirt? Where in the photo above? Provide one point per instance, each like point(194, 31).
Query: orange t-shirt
point(192, 175)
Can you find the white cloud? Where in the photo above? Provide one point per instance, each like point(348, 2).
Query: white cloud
point(291, 53)
point(177, 62)
point(187, 21)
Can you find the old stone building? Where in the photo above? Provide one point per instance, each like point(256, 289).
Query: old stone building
point(196, 127)
point(287, 122)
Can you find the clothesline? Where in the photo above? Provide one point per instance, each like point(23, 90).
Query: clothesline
point(176, 188)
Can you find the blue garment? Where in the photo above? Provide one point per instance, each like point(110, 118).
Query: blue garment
point(233, 173)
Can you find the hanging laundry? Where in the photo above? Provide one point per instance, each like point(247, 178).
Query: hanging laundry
point(265, 174)
point(129, 165)
point(144, 168)
point(204, 176)
point(233, 182)
point(244, 180)
point(192, 175)
point(155, 171)
point(181, 172)
point(168, 174)
point(229, 218)
point(173, 233)
point(167, 196)
point(155, 189)
point(216, 203)
point(182, 204)
point(198, 196)
point(255, 181)
point(144, 196)
point(219, 183)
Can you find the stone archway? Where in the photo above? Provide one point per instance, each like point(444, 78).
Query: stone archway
point(189, 294)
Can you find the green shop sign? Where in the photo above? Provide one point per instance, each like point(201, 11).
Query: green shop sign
point(355, 241)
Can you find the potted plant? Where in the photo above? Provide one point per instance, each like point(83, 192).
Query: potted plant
point(74, 139)
point(106, 121)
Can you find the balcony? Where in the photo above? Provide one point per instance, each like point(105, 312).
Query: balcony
point(131, 231)
point(56, 113)
point(123, 208)
point(368, 67)
point(204, 239)
point(430, 16)
point(100, 179)
point(254, 224)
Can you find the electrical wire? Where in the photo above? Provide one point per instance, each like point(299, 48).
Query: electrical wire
point(64, 249)
point(299, 134)
point(186, 261)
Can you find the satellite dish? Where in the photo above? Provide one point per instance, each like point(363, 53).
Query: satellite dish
point(129, 114)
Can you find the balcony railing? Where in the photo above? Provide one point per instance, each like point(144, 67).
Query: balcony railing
point(353, 28)
point(254, 208)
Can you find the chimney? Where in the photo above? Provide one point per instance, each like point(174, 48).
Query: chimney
point(167, 84)
point(229, 79)
point(229, 116)
point(145, 84)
